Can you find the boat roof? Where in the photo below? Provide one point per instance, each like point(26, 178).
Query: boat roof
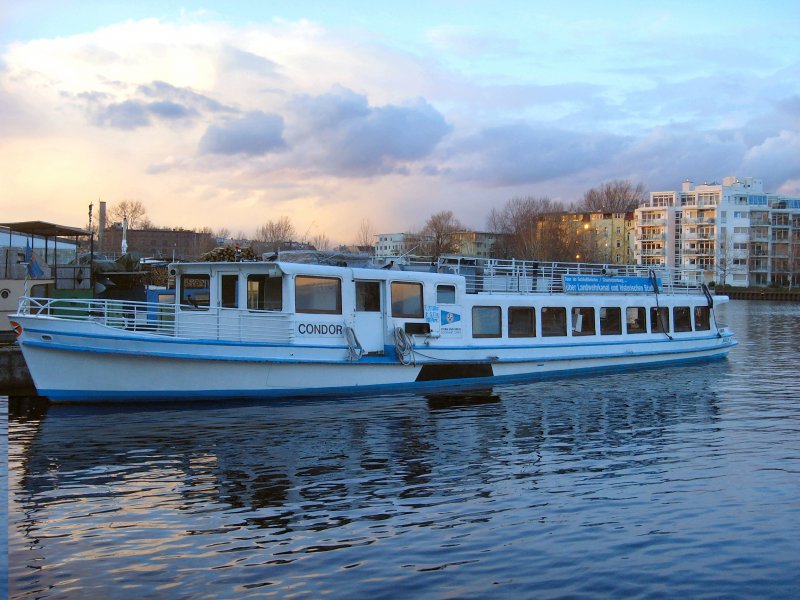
point(45, 229)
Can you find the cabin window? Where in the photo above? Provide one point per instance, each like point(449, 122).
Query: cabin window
point(635, 319)
point(368, 296)
point(659, 320)
point(554, 321)
point(407, 300)
point(486, 322)
point(194, 291)
point(683, 319)
point(228, 291)
point(264, 292)
point(318, 295)
point(445, 294)
point(610, 321)
point(583, 320)
point(521, 321)
point(701, 318)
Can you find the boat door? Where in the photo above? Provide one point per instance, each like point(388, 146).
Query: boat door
point(369, 325)
point(228, 299)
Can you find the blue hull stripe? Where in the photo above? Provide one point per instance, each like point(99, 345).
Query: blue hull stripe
point(378, 360)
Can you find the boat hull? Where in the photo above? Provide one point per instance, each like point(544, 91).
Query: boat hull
point(100, 373)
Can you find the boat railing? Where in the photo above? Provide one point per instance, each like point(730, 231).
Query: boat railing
point(493, 275)
point(167, 319)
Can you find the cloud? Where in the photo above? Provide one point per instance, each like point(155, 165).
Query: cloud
point(132, 114)
point(342, 134)
point(256, 133)
point(521, 153)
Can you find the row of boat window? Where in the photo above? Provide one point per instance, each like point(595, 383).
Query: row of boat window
point(323, 295)
point(487, 321)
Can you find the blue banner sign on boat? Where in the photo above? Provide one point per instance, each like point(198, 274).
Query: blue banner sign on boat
point(592, 284)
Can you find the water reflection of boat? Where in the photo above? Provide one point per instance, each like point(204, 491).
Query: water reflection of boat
point(329, 456)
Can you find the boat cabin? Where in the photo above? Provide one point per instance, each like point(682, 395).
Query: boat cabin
point(307, 304)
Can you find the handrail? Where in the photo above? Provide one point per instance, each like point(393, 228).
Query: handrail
point(168, 320)
point(496, 275)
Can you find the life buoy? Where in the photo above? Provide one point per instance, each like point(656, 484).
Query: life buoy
point(17, 328)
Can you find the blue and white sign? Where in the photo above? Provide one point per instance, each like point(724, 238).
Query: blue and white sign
point(448, 318)
point(604, 284)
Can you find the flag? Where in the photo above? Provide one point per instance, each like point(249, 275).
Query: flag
point(448, 318)
point(34, 270)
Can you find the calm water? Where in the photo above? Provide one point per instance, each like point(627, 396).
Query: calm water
point(659, 483)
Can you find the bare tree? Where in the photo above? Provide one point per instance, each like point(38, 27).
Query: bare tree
point(366, 234)
point(274, 233)
point(528, 228)
point(320, 241)
point(438, 233)
point(134, 211)
point(614, 196)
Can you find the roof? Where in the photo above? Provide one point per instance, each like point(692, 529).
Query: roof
point(45, 229)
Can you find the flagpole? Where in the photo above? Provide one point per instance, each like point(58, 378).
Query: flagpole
point(91, 251)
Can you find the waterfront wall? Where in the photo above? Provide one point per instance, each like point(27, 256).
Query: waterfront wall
point(759, 294)
point(15, 380)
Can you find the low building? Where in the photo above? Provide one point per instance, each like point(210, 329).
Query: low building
point(166, 244)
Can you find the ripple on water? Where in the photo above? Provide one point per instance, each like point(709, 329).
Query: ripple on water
point(680, 481)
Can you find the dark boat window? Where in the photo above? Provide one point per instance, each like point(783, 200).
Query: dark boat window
point(683, 319)
point(318, 295)
point(635, 319)
point(659, 320)
point(368, 296)
point(264, 292)
point(701, 318)
point(554, 321)
point(521, 321)
point(194, 291)
point(407, 300)
point(228, 291)
point(583, 320)
point(445, 294)
point(486, 322)
point(610, 321)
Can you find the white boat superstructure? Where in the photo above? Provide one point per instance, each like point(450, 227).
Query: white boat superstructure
point(265, 329)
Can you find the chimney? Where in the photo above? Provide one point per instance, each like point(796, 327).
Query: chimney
point(101, 227)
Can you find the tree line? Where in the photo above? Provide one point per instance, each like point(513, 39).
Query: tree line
point(529, 227)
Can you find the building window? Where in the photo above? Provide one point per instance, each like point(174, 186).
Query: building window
point(486, 322)
point(264, 292)
point(368, 296)
point(554, 321)
point(701, 318)
point(659, 320)
point(683, 320)
point(610, 321)
point(228, 289)
point(318, 295)
point(195, 291)
point(407, 300)
point(521, 321)
point(583, 320)
point(635, 319)
point(445, 294)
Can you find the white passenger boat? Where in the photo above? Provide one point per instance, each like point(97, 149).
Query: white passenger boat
point(280, 329)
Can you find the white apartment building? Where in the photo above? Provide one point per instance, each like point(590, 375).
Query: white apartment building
point(730, 233)
point(394, 244)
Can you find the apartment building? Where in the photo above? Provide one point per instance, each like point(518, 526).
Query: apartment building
point(732, 233)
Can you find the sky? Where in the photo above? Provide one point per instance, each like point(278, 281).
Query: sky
point(231, 114)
